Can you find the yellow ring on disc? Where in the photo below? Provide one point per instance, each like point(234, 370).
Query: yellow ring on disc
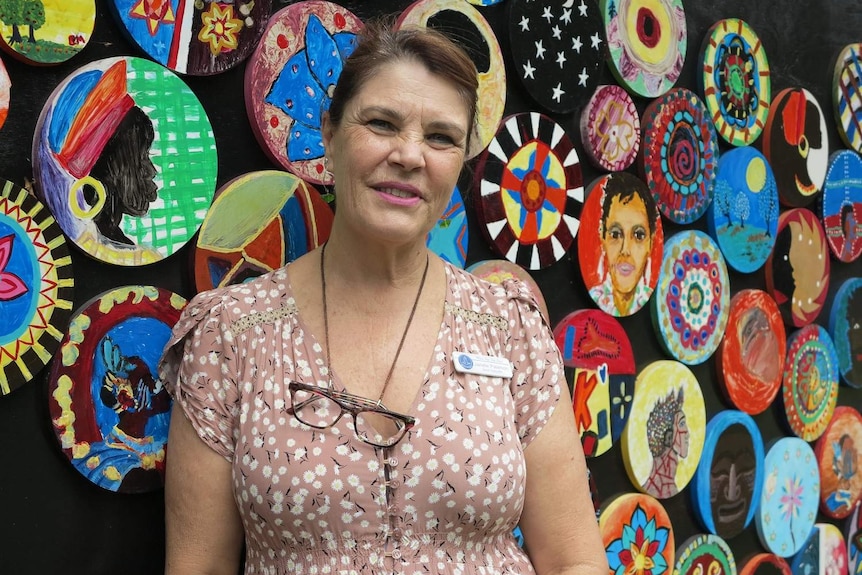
point(661, 12)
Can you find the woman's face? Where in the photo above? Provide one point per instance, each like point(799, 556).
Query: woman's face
point(680, 437)
point(626, 242)
point(398, 152)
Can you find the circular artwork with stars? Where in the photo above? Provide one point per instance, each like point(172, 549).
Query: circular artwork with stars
point(845, 327)
point(692, 297)
point(837, 453)
point(847, 95)
point(498, 271)
point(705, 554)
point(558, 49)
point(532, 191)
point(842, 205)
point(736, 81)
point(790, 495)
point(611, 129)
point(647, 41)
point(680, 155)
point(36, 286)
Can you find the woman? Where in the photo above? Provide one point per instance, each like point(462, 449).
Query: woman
point(280, 436)
point(667, 437)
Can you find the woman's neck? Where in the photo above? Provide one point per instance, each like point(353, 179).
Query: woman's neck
point(365, 263)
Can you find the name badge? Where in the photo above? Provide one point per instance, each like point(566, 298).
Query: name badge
point(482, 364)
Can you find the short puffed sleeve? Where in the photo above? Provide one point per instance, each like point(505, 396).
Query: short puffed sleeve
point(199, 367)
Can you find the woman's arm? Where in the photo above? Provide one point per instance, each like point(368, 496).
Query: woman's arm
point(204, 533)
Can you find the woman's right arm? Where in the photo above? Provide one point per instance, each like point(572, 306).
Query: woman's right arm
point(204, 533)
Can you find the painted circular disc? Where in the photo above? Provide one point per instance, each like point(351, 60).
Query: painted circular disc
point(853, 536)
point(765, 564)
point(704, 554)
point(791, 492)
point(109, 409)
point(600, 354)
point(128, 171)
point(743, 216)
point(847, 95)
point(195, 38)
point(845, 327)
point(736, 81)
point(484, 2)
point(611, 129)
point(727, 483)
point(692, 297)
point(289, 80)
point(750, 358)
point(484, 49)
point(532, 191)
point(796, 144)
point(5, 92)
point(810, 384)
point(797, 270)
point(65, 29)
point(637, 521)
point(807, 559)
point(833, 549)
point(257, 223)
point(498, 271)
point(837, 453)
point(449, 236)
point(680, 155)
point(662, 442)
point(842, 205)
point(621, 259)
point(36, 286)
point(557, 51)
point(647, 40)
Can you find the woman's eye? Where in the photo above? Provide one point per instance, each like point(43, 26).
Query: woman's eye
point(441, 140)
point(640, 235)
point(615, 234)
point(380, 124)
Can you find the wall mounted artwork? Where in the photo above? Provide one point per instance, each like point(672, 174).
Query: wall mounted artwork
point(679, 158)
point(833, 550)
point(662, 442)
point(621, 259)
point(530, 191)
point(853, 537)
point(637, 521)
point(841, 207)
point(109, 409)
point(289, 81)
point(838, 458)
point(807, 559)
point(5, 92)
point(647, 42)
point(46, 32)
point(36, 286)
point(597, 349)
point(611, 129)
point(796, 144)
point(449, 238)
point(735, 81)
point(765, 564)
point(498, 271)
point(704, 554)
point(557, 50)
point(124, 157)
point(845, 327)
point(847, 95)
point(196, 38)
point(257, 223)
point(810, 383)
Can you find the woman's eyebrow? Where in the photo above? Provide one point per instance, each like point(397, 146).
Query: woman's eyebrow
point(436, 125)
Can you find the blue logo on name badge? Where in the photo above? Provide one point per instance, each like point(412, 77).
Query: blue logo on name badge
point(465, 361)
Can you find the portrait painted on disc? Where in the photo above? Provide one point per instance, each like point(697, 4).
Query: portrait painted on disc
point(841, 206)
point(845, 327)
point(838, 458)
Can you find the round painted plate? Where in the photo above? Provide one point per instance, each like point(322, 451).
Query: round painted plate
point(765, 564)
point(842, 205)
point(853, 537)
point(636, 521)
point(743, 217)
point(128, 171)
point(257, 223)
point(796, 144)
point(750, 358)
point(797, 270)
point(448, 238)
point(833, 549)
point(788, 502)
point(810, 384)
point(704, 554)
point(531, 191)
point(736, 81)
point(64, 28)
point(680, 155)
point(289, 81)
point(692, 297)
point(620, 260)
point(845, 327)
point(647, 40)
point(663, 439)
point(109, 409)
point(598, 350)
point(36, 286)
point(557, 50)
point(498, 271)
point(196, 38)
point(727, 483)
point(5, 91)
point(484, 2)
point(611, 129)
point(484, 49)
point(847, 95)
point(807, 559)
point(837, 453)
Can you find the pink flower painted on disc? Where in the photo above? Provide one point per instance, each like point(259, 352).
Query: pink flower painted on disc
point(791, 498)
point(11, 286)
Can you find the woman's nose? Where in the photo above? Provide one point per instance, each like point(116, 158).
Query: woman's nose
point(408, 153)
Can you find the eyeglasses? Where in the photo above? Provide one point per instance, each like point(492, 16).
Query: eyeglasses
point(320, 408)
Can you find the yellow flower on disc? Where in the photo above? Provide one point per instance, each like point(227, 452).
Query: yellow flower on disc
point(220, 28)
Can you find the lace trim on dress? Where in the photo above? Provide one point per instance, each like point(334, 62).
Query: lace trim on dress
point(269, 316)
point(477, 317)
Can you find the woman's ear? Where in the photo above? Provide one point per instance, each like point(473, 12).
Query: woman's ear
point(326, 130)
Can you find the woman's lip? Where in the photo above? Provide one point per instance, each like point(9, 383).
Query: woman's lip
point(625, 269)
point(384, 187)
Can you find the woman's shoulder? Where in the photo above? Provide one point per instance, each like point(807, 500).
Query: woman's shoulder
point(480, 295)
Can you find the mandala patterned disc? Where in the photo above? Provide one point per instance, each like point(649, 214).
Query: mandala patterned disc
point(736, 81)
point(837, 453)
point(845, 327)
point(705, 554)
point(531, 191)
point(847, 95)
point(637, 521)
point(810, 385)
point(841, 207)
point(611, 129)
